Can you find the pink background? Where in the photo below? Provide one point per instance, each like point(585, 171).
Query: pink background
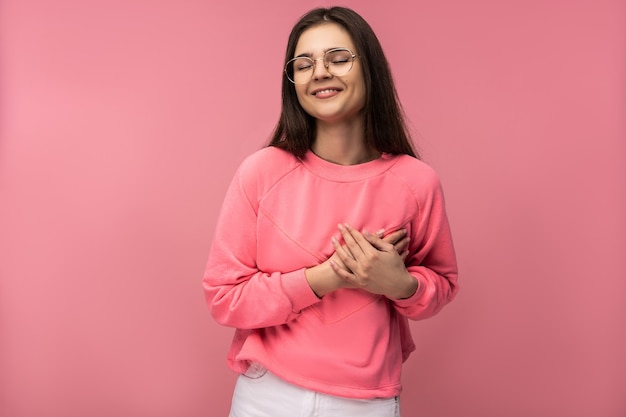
point(122, 123)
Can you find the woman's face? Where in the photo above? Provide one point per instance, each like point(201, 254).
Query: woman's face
point(326, 97)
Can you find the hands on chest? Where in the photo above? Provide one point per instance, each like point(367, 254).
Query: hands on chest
point(368, 261)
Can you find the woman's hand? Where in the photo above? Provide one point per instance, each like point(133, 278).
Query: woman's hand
point(324, 278)
point(372, 263)
point(398, 239)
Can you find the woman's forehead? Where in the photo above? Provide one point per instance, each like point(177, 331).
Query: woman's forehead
point(320, 38)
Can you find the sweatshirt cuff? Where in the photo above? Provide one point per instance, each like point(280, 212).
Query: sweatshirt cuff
point(407, 302)
point(298, 290)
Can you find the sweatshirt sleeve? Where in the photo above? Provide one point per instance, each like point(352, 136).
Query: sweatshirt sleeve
point(432, 259)
point(237, 292)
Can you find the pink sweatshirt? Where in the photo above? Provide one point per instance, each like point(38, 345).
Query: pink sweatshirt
point(278, 217)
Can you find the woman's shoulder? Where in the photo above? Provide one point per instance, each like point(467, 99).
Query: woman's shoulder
point(416, 174)
point(271, 160)
point(414, 168)
point(267, 165)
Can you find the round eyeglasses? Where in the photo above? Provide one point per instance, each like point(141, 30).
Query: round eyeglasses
point(337, 61)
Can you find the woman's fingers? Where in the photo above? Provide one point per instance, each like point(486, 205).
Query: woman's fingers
point(342, 250)
point(393, 237)
point(354, 240)
point(377, 242)
point(345, 256)
point(361, 248)
point(402, 245)
point(345, 276)
point(370, 262)
point(398, 239)
point(358, 244)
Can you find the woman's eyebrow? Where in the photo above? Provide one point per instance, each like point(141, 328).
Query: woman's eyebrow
point(309, 55)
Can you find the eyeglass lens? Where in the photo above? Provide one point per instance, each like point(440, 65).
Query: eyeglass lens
point(337, 62)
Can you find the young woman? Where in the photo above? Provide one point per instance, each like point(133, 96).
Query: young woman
point(329, 238)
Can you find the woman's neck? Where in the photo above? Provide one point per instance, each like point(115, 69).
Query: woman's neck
point(342, 144)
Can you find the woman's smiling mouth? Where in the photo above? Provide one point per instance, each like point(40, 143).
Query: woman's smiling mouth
point(325, 92)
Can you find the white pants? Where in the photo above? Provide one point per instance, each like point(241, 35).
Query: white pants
point(270, 396)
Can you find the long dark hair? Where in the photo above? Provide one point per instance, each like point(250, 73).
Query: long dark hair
point(385, 126)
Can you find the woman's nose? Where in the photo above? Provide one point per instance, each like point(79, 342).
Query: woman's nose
point(319, 69)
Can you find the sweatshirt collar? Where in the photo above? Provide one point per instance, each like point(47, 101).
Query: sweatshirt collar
point(348, 173)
